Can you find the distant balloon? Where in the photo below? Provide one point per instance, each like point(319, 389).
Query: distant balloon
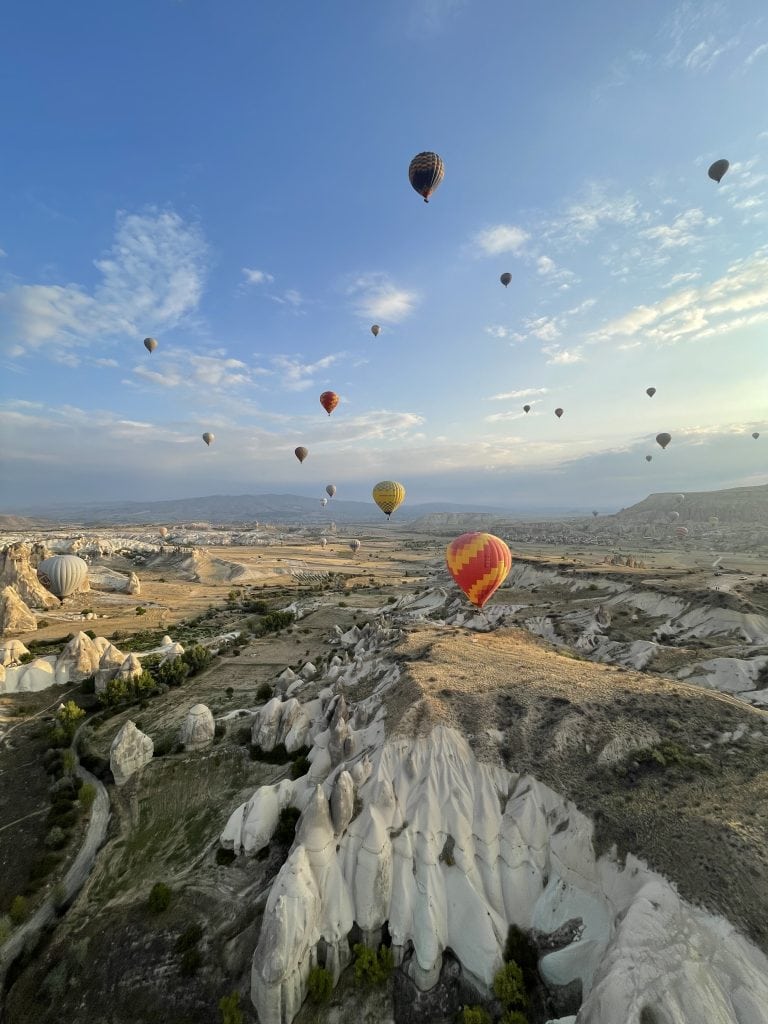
point(756, 435)
point(674, 516)
point(558, 413)
point(329, 400)
point(505, 278)
point(679, 498)
point(681, 532)
point(62, 574)
point(375, 330)
point(163, 531)
point(330, 490)
point(663, 439)
point(301, 453)
point(355, 546)
point(323, 542)
point(526, 408)
point(389, 496)
point(323, 502)
point(650, 392)
point(209, 438)
point(714, 520)
point(649, 458)
point(150, 345)
point(717, 170)
point(425, 173)
point(595, 512)
point(479, 563)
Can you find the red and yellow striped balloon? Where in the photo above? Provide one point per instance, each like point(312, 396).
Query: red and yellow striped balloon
point(479, 562)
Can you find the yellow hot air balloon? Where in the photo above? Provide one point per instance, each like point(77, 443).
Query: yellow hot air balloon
point(388, 495)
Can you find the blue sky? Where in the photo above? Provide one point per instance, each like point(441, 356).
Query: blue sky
point(231, 179)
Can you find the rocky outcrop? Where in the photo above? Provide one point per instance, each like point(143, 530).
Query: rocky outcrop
point(79, 659)
point(15, 616)
point(287, 722)
point(130, 668)
point(104, 579)
point(110, 662)
point(11, 652)
point(16, 570)
point(131, 749)
point(198, 728)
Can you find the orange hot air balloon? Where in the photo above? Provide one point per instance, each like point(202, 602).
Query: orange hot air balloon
point(479, 562)
point(329, 400)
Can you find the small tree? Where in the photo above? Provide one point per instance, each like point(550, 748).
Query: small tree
point(159, 898)
point(320, 985)
point(87, 795)
point(69, 716)
point(229, 1007)
point(513, 1017)
point(264, 692)
point(509, 987)
point(372, 968)
point(5, 927)
point(19, 910)
point(475, 1015)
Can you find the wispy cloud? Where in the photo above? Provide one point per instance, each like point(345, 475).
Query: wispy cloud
point(522, 393)
point(291, 297)
point(598, 208)
point(545, 328)
point(153, 275)
point(561, 356)
point(500, 238)
point(295, 374)
point(682, 278)
point(756, 54)
point(682, 232)
point(257, 276)
point(376, 297)
point(502, 333)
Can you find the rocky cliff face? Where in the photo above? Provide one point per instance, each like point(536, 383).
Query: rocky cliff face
point(16, 570)
point(15, 616)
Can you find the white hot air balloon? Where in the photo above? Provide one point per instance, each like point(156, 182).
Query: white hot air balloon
point(63, 574)
point(323, 542)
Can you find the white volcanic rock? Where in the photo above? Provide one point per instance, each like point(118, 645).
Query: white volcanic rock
point(251, 827)
point(102, 578)
point(17, 571)
point(308, 671)
point(37, 675)
point(198, 728)
point(134, 586)
point(287, 722)
point(702, 621)
point(79, 659)
point(131, 749)
point(520, 854)
point(731, 675)
point(342, 801)
point(130, 668)
point(15, 616)
point(172, 651)
point(111, 658)
point(11, 651)
point(286, 679)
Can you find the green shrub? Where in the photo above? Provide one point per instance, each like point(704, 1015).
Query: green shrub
point(509, 987)
point(24, 659)
point(197, 659)
point(19, 911)
point(115, 692)
point(5, 927)
point(229, 1008)
point(521, 950)
point(189, 938)
point(474, 1015)
point(225, 857)
point(140, 610)
point(56, 838)
point(264, 692)
point(159, 898)
point(372, 968)
point(513, 1017)
point(300, 766)
point(285, 832)
point(230, 691)
point(191, 962)
point(88, 685)
point(320, 985)
point(172, 672)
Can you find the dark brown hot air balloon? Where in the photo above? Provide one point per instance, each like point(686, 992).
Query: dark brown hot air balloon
point(650, 392)
point(150, 345)
point(329, 400)
point(375, 330)
point(718, 169)
point(505, 278)
point(526, 408)
point(663, 439)
point(756, 435)
point(649, 458)
point(301, 453)
point(425, 173)
point(558, 413)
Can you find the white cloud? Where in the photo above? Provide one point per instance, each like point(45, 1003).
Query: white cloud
point(545, 265)
point(561, 356)
point(523, 393)
point(501, 417)
point(545, 328)
point(597, 210)
point(2, 253)
point(257, 276)
point(296, 375)
point(375, 297)
point(499, 239)
point(153, 274)
point(105, 362)
point(683, 278)
point(681, 232)
point(291, 297)
point(759, 51)
point(501, 332)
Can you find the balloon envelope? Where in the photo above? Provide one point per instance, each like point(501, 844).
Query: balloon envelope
point(388, 495)
point(301, 453)
point(713, 520)
point(756, 435)
point(209, 438)
point(330, 490)
point(717, 169)
point(595, 512)
point(425, 173)
point(62, 574)
point(323, 542)
point(650, 392)
point(329, 400)
point(150, 344)
point(355, 545)
point(505, 278)
point(663, 439)
point(375, 330)
point(681, 532)
point(526, 408)
point(558, 413)
point(649, 458)
point(479, 563)
point(323, 502)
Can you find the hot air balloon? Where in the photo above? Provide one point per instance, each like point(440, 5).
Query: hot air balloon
point(301, 453)
point(323, 502)
point(479, 563)
point(526, 408)
point(679, 498)
point(323, 542)
point(717, 170)
point(375, 330)
point(681, 532)
point(425, 173)
point(595, 512)
point(330, 490)
point(150, 345)
point(388, 495)
point(649, 458)
point(756, 435)
point(674, 516)
point(62, 574)
point(329, 400)
point(505, 278)
point(650, 392)
point(163, 531)
point(355, 546)
point(713, 520)
point(663, 439)
point(558, 413)
point(209, 438)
